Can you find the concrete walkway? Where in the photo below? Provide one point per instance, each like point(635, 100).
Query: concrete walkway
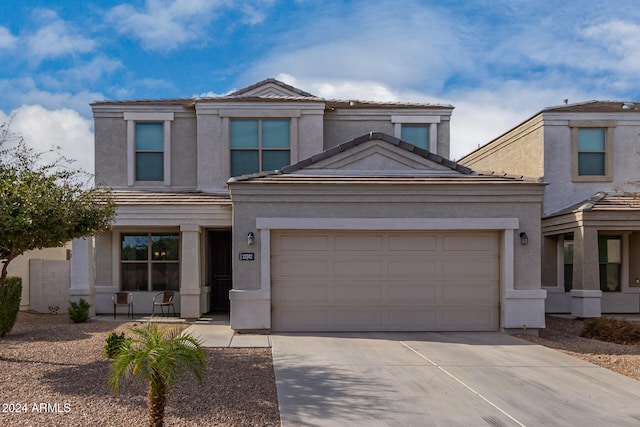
point(220, 335)
point(443, 379)
point(213, 330)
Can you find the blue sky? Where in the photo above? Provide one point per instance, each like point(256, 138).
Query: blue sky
point(496, 61)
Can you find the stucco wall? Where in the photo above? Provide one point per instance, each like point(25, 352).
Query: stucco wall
point(562, 192)
point(110, 132)
point(392, 201)
point(518, 152)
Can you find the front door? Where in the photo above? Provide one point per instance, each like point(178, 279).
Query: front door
point(219, 268)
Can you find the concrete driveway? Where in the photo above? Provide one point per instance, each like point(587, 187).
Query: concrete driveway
point(443, 379)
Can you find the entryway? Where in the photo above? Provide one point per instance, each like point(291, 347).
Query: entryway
point(219, 275)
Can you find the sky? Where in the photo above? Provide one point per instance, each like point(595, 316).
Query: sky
point(498, 62)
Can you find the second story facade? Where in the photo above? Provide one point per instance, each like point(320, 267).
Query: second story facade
point(198, 144)
point(578, 149)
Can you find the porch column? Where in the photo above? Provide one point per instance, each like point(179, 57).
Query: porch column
point(586, 295)
point(190, 272)
point(82, 274)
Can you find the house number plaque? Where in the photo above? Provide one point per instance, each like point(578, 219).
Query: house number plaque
point(247, 256)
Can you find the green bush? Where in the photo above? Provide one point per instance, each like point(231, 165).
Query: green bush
point(10, 295)
point(79, 311)
point(114, 344)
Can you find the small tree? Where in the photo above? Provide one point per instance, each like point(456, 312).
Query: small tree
point(159, 357)
point(44, 204)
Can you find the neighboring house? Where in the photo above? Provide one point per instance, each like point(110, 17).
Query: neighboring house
point(587, 153)
point(298, 213)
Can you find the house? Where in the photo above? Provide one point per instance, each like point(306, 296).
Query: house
point(587, 153)
point(298, 213)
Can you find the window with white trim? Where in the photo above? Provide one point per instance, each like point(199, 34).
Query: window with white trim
point(150, 262)
point(421, 131)
point(416, 134)
point(259, 145)
point(148, 148)
point(592, 150)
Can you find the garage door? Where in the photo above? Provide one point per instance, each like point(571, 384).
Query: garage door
point(385, 281)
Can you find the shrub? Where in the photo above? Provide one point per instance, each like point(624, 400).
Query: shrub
point(79, 311)
point(114, 344)
point(612, 330)
point(10, 295)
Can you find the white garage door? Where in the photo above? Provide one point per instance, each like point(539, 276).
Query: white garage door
point(385, 281)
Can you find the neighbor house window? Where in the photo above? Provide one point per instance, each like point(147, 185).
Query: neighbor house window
point(568, 262)
point(149, 151)
point(592, 145)
point(150, 262)
point(259, 145)
point(609, 255)
point(417, 135)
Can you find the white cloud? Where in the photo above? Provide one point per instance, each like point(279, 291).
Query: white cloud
point(25, 91)
point(7, 40)
point(165, 24)
point(43, 129)
point(56, 38)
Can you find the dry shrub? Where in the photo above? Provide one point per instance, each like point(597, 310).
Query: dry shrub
point(612, 330)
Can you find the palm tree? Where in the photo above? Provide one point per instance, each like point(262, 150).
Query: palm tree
point(160, 357)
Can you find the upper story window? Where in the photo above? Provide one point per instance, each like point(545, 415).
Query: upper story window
point(259, 145)
point(592, 150)
point(148, 148)
point(421, 131)
point(149, 151)
point(416, 134)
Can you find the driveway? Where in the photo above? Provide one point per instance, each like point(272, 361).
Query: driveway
point(443, 379)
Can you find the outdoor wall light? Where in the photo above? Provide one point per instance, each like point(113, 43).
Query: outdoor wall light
point(251, 238)
point(524, 239)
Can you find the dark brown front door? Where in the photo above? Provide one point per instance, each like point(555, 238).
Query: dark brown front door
point(219, 268)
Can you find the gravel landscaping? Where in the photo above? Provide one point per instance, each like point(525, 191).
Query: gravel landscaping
point(53, 374)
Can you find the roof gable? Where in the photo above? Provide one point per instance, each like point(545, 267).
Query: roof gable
point(271, 88)
point(377, 153)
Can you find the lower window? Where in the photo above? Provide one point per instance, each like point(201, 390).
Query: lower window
point(609, 254)
point(150, 262)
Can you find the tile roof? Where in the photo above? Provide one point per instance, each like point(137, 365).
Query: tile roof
point(288, 175)
point(141, 197)
point(603, 202)
point(596, 107)
point(302, 96)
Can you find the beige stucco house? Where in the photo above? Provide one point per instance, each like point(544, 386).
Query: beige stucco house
point(587, 153)
point(297, 213)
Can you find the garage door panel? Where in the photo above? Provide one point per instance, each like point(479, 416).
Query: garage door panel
point(469, 243)
point(300, 267)
point(412, 242)
point(357, 243)
point(470, 295)
point(470, 267)
point(414, 320)
point(296, 243)
point(413, 294)
point(412, 267)
point(358, 294)
point(385, 281)
point(294, 294)
point(357, 267)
